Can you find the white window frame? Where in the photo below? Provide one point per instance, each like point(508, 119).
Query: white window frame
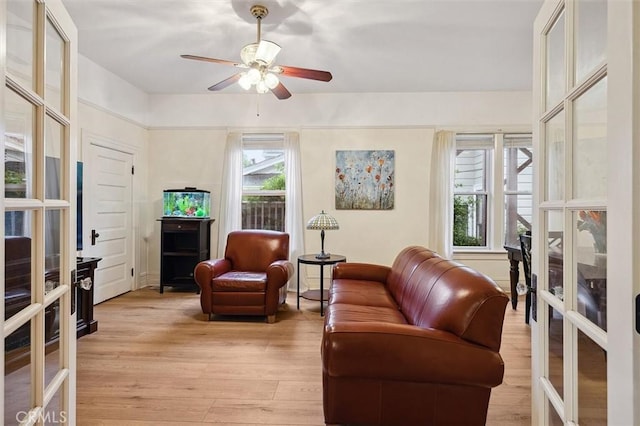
point(493, 142)
point(255, 141)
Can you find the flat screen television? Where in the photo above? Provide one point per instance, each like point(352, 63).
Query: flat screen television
point(186, 203)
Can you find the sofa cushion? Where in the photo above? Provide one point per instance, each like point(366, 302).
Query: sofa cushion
point(240, 281)
point(361, 292)
point(343, 312)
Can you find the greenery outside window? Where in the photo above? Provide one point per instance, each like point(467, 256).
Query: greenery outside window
point(492, 190)
point(263, 184)
point(471, 190)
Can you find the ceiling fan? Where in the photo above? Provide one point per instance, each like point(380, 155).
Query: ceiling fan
point(257, 60)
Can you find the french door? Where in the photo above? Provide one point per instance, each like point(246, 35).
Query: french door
point(585, 261)
point(38, 43)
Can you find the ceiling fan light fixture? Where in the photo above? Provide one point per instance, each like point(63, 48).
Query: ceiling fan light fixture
point(254, 76)
point(261, 87)
point(257, 65)
point(244, 81)
point(271, 80)
point(266, 51)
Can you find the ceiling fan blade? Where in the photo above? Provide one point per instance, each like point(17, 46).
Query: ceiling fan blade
point(214, 60)
point(225, 83)
point(281, 92)
point(304, 73)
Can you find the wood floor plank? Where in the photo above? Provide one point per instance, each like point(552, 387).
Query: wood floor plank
point(156, 360)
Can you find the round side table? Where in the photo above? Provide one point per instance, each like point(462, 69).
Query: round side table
point(322, 294)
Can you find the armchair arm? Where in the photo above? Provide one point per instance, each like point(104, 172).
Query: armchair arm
point(204, 272)
point(407, 353)
point(361, 271)
point(278, 274)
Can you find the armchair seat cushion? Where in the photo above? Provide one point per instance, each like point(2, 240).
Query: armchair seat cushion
point(240, 281)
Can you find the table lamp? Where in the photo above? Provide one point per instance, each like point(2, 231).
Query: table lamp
point(322, 221)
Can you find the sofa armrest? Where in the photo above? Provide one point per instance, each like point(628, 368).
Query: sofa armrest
point(361, 271)
point(384, 351)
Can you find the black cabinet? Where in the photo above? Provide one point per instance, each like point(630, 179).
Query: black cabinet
point(85, 280)
point(184, 243)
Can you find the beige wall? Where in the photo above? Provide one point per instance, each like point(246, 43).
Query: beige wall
point(195, 157)
point(177, 159)
point(368, 235)
point(180, 158)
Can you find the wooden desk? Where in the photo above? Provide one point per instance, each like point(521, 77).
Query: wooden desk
point(514, 254)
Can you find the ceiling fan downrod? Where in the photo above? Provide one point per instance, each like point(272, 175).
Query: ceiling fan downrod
point(258, 11)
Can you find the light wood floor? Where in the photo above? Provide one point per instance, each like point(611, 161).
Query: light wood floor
point(155, 360)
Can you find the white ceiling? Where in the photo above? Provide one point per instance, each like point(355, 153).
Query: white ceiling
point(368, 45)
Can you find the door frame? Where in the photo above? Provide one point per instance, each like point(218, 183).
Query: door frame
point(623, 210)
point(89, 138)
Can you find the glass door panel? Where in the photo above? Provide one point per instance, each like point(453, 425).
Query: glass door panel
point(20, 41)
point(555, 62)
point(52, 239)
point(555, 254)
point(554, 157)
point(18, 146)
point(53, 139)
point(590, 143)
point(17, 375)
point(591, 265)
point(555, 356)
point(54, 75)
point(18, 259)
point(592, 382)
point(591, 36)
point(52, 333)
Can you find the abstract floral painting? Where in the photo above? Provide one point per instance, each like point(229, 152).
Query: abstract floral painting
point(365, 180)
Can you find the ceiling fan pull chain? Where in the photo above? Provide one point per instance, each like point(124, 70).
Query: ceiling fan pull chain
point(258, 105)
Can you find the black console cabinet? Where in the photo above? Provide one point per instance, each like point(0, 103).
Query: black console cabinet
point(184, 243)
point(85, 280)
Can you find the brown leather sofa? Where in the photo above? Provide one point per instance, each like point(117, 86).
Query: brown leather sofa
point(416, 343)
point(251, 278)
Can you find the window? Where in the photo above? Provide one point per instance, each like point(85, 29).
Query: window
point(492, 193)
point(263, 182)
point(518, 187)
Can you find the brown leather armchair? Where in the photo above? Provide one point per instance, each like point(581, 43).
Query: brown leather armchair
point(251, 278)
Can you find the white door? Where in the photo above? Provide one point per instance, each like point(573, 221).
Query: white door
point(38, 106)
point(109, 222)
point(584, 344)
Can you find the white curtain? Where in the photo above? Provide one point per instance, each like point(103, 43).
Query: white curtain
point(231, 193)
point(441, 194)
point(294, 221)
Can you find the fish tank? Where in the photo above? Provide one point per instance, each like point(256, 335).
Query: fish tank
point(187, 202)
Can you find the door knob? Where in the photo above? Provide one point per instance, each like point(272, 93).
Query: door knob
point(94, 235)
